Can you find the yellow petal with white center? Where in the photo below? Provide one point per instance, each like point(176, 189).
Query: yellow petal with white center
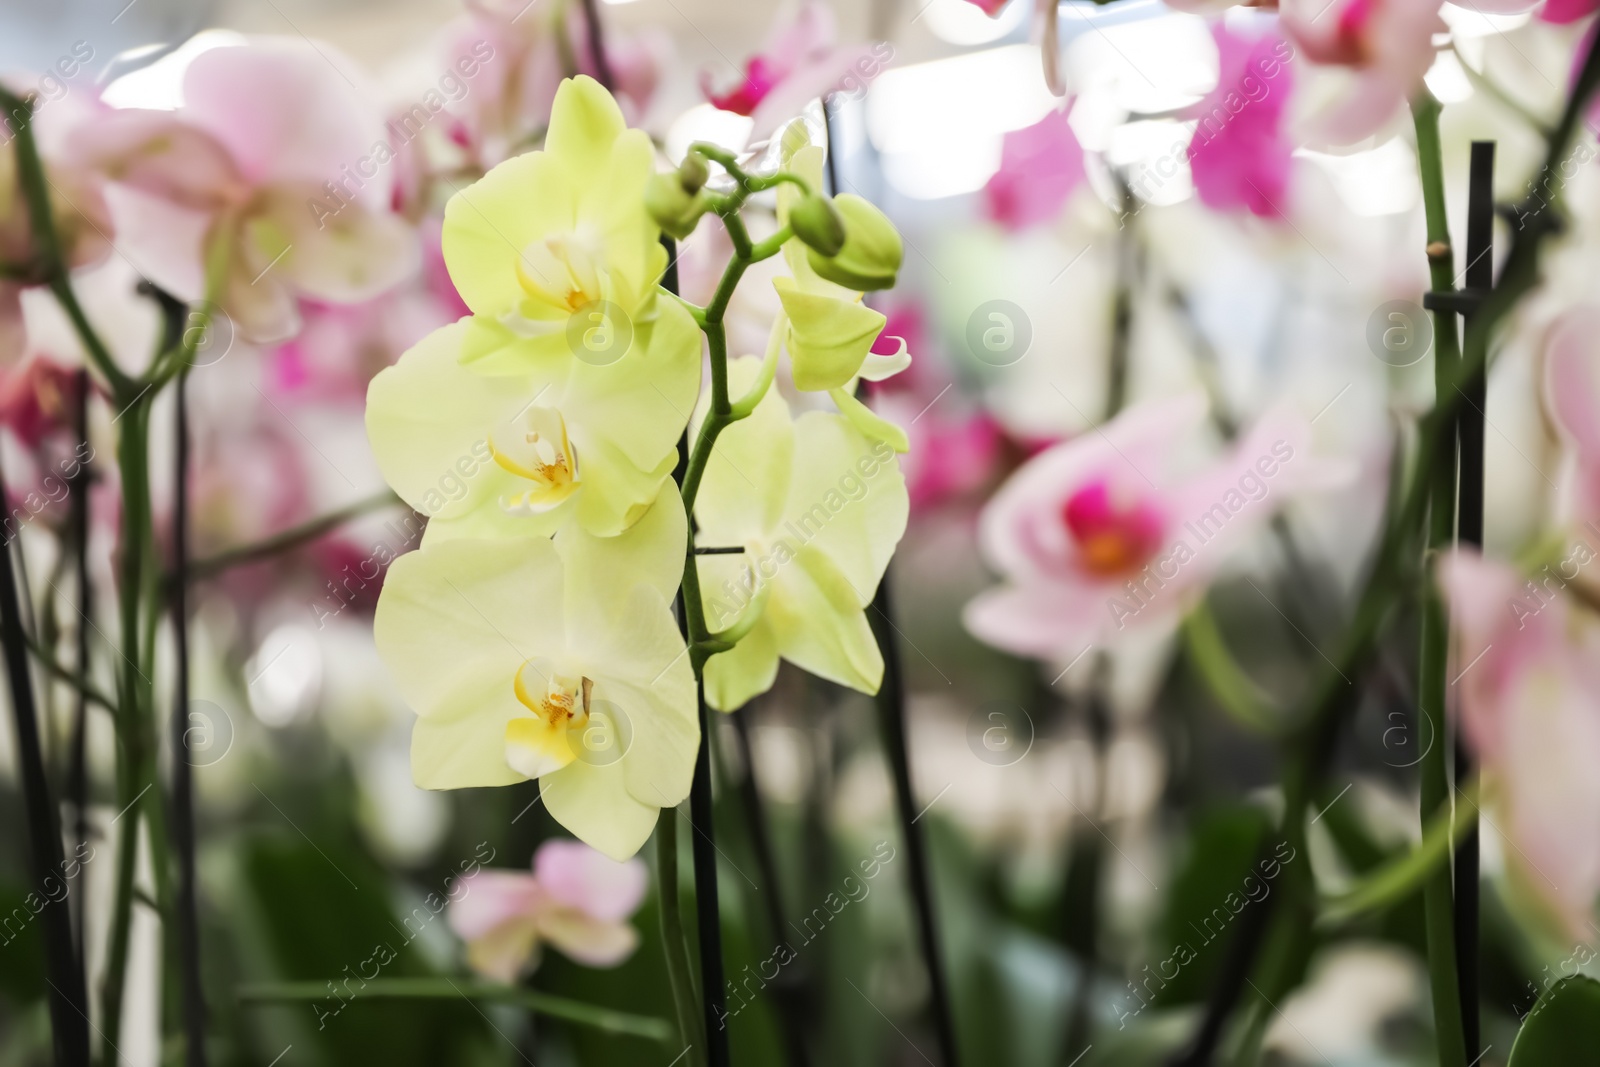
point(455, 623)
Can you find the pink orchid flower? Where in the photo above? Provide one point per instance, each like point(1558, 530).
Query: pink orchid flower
point(988, 7)
point(1386, 46)
point(273, 163)
point(576, 899)
point(1528, 670)
point(1040, 166)
point(1240, 155)
point(1109, 531)
point(801, 61)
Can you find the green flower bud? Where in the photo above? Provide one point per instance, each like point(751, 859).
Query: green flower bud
point(673, 208)
point(815, 222)
point(693, 173)
point(872, 251)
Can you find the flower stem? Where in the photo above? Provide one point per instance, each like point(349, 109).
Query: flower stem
point(194, 1004)
point(675, 946)
point(455, 989)
point(713, 997)
point(891, 705)
point(289, 539)
point(789, 989)
point(69, 1018)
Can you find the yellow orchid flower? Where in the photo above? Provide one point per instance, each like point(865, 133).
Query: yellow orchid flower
point(522, 454)
point(551, 245)
point(552, 659)
point(818, 508)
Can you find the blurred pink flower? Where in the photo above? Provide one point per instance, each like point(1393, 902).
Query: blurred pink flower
point(576, 899)
point(258, 162)
point(954, 450)
point(1040, 166)
point(1386, 44)
point(1240, 154)
point(801, 61)
point(521, 52)
point(988, 7)
point(1108, 531)
point(340, 347)
point(38, 399)
point(82, 221)
point(1529, 670)
point(1572, 394)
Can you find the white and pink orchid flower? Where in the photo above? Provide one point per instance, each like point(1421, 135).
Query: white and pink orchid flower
point(1241, 153)
point(269, 177)
point(1111, 531)
point(576, 899)
point(1528, 667)
point(801, 61)
point(1381, 48)
point(1040, 166)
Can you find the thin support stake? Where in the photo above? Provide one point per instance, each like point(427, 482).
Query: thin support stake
point(891, 701)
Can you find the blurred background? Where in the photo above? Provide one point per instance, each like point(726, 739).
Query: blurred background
point(1085, 815)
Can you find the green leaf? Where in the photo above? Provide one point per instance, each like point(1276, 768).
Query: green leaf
point(451, 989)
point(1564, 1027)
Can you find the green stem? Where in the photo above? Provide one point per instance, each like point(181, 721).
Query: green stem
point(1402, 876)
point(1232, 688)
point(674, 944)
point(1438, 892)
point(573, 1011)
point(289, 539)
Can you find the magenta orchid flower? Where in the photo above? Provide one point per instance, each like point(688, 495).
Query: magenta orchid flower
point(1240, 155)
point(1563, 12)
point(1040, 166)
point(1107, 532)
point(576, 899)
point(270, 178)
point(1528, 670)
point(801, 61)
point(1384, 47)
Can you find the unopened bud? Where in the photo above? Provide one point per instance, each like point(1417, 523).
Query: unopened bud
point(673, 208)
point(815, 222)
point(872, 251)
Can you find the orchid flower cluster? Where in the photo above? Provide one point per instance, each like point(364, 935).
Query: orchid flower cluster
point(534, 631)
